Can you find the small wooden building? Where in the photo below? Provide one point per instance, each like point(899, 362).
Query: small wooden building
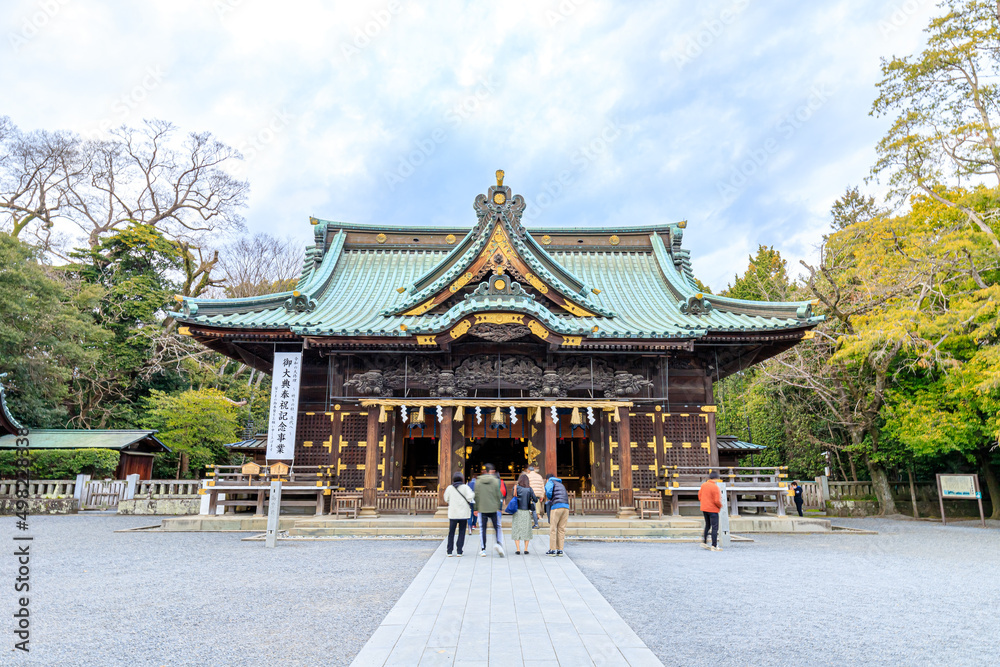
point(590, 352)
point(254, 449)
point(137, 448)
point(732, 450)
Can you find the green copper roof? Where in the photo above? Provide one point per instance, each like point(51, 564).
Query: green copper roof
point(7, 422)
point(642, 288)
point(144, 441)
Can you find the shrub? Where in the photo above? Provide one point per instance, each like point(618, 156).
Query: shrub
point(62, 463)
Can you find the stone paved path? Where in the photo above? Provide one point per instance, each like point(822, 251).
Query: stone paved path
point(541, 611)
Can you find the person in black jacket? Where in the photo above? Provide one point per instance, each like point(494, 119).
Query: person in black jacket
point(521, 523)
point(798, 497)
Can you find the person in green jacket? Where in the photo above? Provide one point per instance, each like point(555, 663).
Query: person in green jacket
point(489, 502)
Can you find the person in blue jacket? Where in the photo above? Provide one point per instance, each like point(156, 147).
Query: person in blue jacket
point(475, 515)
point(558, 507)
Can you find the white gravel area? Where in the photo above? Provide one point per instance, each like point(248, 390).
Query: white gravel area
point(917, 593)
point(100, 598)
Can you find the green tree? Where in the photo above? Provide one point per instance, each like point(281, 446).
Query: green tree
point(752, 404)
point(766, 278)
point(946, 106)
point(195, 424)
point(134, 268)
point(47, 333)
point(947, 391)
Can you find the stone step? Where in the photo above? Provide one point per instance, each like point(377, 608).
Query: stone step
point(343, 531)
point(426, 525)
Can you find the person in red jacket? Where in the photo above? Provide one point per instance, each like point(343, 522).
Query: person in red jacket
point(711, 505)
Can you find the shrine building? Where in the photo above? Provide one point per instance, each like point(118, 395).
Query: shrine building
point(590, 353)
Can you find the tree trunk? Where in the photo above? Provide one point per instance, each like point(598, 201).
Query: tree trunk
point(854, 471)
point(184, 463)
point(913, 493)
point(881, 488)
point(992, 484)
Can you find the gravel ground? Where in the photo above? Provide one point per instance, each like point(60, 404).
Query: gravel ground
point(100, 598)
point(915, 594)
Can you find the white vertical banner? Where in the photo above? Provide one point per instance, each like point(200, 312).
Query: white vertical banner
point(284, 405)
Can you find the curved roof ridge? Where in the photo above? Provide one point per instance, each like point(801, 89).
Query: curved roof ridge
point(7, 420)
point(497, 211)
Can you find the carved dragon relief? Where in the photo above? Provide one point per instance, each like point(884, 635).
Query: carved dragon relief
point(385, 375)
point(481, 371)
point(575, 373)
point(499, 333)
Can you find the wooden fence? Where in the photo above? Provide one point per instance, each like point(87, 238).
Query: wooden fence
point(40, 488)
point(103, 494)
point(168, 488)
point(407, 502)
point(597, 502)
point(99, 494)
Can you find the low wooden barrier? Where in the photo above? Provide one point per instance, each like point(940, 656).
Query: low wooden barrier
point(168, 488)
point(39, 488)
point(599, 502)
point(249, 486)
point(745, 487)
point(394, 502)
point(425, 502)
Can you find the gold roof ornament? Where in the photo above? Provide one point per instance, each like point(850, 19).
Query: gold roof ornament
point(450, 239)
point(499, 178)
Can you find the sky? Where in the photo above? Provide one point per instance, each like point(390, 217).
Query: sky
point(746, 118)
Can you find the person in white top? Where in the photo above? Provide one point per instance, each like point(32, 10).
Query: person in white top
point(459, 498)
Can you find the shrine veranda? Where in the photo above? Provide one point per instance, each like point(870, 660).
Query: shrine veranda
point(590, 353)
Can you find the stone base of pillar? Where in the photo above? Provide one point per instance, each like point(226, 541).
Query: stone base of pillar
point(626, 513)
point(442, 512)
point(368, 513)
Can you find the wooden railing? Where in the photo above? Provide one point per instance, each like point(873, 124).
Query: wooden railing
point(599, 502)
point(745, 487)
point(40, 487)
point(850, 490)
point(168, 488)
point(99, 494)
point(394, 502)
point(425, 502)
point(406, 502)
point(812, 496)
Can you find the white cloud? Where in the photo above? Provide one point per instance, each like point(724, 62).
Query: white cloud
point(366, 83)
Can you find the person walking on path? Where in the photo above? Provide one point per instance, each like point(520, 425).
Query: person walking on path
point(489, 502)
point(475, 514)
point(711, 505)
point(458, 497)
point(520, 530)
point(798, 497)
point(538, 486)
point(558, 514)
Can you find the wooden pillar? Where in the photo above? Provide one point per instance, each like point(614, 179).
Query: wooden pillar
point(337, 418)
point(625, 461)
point(444, 455)
point(658, 439)
point(398, 434)
point(371, 463)
point(713, 451)
point(550, 444)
